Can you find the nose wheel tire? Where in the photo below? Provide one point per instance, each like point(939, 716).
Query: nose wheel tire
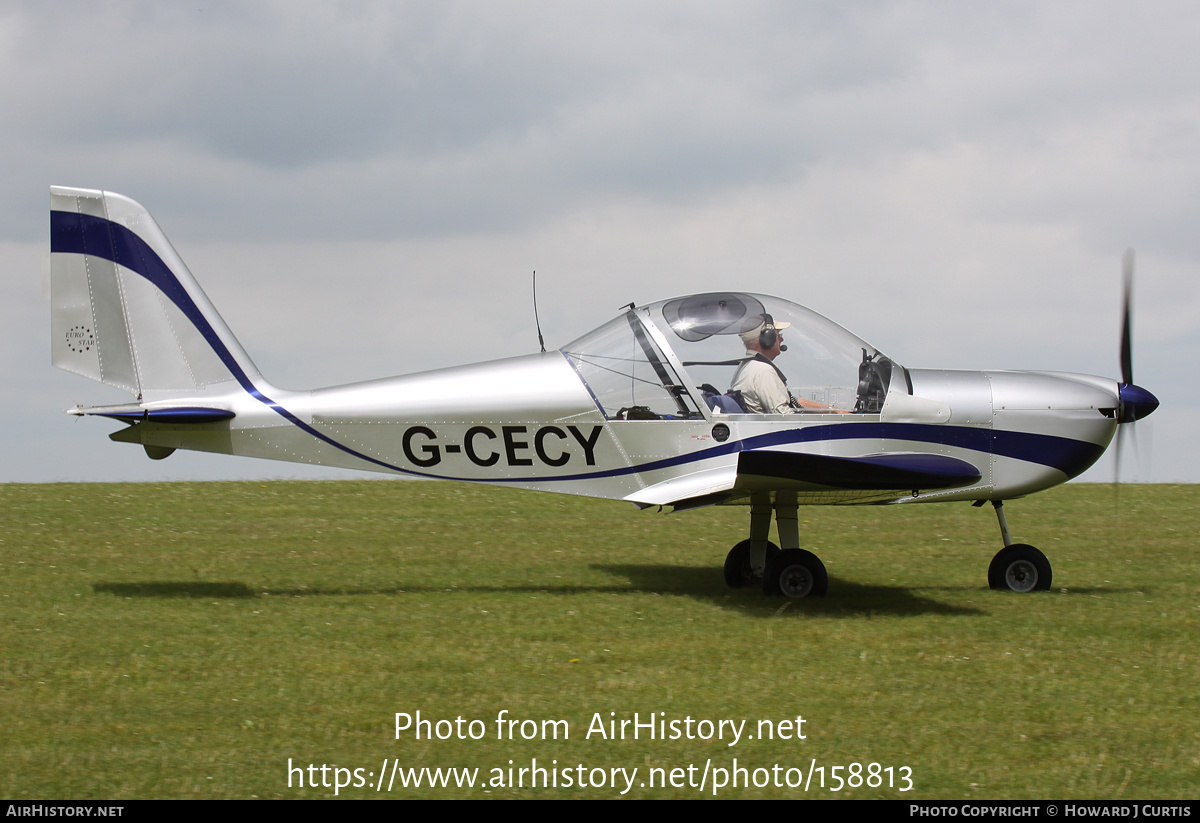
point(795, 573)
point(738, 571)
point(1020, 568)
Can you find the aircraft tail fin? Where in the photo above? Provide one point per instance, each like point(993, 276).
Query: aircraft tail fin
point(126, 310)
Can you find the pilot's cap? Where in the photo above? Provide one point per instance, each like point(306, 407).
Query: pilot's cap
point(762, 322)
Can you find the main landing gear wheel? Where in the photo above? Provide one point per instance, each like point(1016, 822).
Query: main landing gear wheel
point(795, 573)
point(738, 571)
point(1020, 568)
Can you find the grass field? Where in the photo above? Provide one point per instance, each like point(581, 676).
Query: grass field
point(186, 640)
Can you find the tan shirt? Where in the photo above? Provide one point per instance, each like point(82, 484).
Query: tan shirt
point(762, 390)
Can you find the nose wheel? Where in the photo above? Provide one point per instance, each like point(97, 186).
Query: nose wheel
point(1018, 567)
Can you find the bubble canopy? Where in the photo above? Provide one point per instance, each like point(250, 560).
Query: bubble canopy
point(651, 362)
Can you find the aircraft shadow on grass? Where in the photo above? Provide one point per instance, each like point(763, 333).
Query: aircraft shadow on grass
point(207, 589)
point(697, 582)
point(166, 589)
point(852, 599)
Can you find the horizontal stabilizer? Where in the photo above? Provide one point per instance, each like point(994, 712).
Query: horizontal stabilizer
point(875, 471)
point(134, 413)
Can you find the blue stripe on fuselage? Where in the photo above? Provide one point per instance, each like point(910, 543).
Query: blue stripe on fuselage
point(1066, 455)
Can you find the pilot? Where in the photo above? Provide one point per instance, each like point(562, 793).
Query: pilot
point(762, 385)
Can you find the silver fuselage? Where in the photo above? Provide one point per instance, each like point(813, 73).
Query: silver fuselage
point(530, 422)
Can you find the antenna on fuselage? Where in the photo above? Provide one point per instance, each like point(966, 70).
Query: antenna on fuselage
point(536, 321)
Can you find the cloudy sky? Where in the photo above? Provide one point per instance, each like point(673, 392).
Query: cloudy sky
point(364, 189)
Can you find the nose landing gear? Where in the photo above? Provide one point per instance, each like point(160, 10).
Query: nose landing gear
point(1018, 567)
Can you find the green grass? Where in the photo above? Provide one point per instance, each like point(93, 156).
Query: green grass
point(185, 640)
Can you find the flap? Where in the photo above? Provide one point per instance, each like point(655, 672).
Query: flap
point(697, 484)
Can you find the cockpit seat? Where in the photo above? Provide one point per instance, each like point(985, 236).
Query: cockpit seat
point(730, 403)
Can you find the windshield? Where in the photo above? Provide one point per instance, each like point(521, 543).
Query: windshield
point(627, 373)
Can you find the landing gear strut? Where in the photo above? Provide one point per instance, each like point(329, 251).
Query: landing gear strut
point(790, 571)
point(1017, 567)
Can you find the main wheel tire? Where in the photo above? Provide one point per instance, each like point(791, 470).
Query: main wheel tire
point(738, 572)
point(795, 573)
point(1020, 568)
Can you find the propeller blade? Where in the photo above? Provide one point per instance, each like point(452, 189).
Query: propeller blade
point(1134, 401)
point(1127, 319)
point(1127, 262)
point(1117, 465)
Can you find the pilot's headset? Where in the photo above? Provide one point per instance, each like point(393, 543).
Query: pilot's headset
point(769, 336)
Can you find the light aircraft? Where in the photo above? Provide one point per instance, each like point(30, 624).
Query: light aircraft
point(630, 411)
